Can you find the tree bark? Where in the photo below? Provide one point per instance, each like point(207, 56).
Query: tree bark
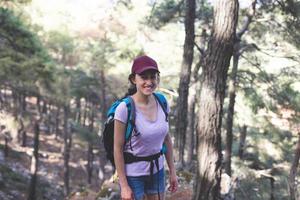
point(90, 162)
point(103, 94)
point(233, 85)
point(21, 131)
point(183, 90)
point(230, 114)
point(67, 145)
point(272, 185)
point(90, 154)
point(78, 110)
point(214, 75)
point(85, 111)
point(34, 164)
point(6, 147)
point(38, 102)
point(1, 99)
point(57, 122)
point(24, 104)
point(243, 135)
point(190, 133)
point(293, 171)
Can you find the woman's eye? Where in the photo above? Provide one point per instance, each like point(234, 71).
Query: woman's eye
point(148, 77)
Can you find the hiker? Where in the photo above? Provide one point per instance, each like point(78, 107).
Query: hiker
point(145, 174)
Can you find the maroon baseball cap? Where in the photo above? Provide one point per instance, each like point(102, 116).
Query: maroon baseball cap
point(143, 63)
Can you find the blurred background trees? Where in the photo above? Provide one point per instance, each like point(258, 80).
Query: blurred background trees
point(63, 63)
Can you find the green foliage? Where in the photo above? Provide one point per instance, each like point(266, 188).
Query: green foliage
point(23, 58)
point(62, 47)
point(164, 12)
point(204, 12)
point(82, 85)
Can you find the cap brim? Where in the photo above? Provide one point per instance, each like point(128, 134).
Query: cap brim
point(147, 68)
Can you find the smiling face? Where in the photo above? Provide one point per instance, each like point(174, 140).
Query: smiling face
point(146, 82)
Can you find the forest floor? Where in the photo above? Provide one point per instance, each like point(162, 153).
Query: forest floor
point(16, 168)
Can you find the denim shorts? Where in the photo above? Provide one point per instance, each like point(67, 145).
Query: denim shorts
point(141, 185)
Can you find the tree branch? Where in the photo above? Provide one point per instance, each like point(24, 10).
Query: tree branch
point(248, 20)
point(199, 49)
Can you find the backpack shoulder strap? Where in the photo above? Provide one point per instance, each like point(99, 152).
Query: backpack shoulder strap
point(130, 117)
point(162, 102)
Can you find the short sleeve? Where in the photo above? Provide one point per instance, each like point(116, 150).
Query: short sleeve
point(121, 113)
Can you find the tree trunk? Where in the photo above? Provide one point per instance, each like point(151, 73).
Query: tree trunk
point(230, 114)
point(57, 122)
point(49, 119)
point(85, 111)
point(67, 143)
point(232, 86)
point(44, 110)
point(24, 104)
point(272, 185)
point(34, 164)
point(183, 90)
point(215, 67)
point(191, 124)
point(243, 135)
point(15, 98)
point(6, 147)
point(90, 145)
point(78, 111)
point(103, 94)
point(22, 136)
point(190, 133)
point(1, 99)
point(38, 102)
point(90, 162)
point(293, 172)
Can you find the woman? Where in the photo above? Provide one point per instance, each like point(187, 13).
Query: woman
point(151, 131)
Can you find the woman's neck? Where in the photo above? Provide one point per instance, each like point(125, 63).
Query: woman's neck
point(142, 99)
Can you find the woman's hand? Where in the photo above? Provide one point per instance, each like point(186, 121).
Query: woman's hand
point(126, 193)
point(173, 183)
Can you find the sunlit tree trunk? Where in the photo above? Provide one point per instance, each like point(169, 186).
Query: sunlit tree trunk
point(90, 155)
point(183, 90)
point(67, 150)
point(78, 110)
point(293, 171)
point(214, 75)
point(233, 85)
point(34, 164)
point(230, 114)
point(243, 134)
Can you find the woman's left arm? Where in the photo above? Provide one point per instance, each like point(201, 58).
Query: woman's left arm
point(170, 161)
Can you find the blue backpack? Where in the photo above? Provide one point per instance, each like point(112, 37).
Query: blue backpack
point(108, 132)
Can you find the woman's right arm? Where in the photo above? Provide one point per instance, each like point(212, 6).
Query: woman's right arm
point(119, 140)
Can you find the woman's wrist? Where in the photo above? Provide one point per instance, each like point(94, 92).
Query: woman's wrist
point(172, 172)
point(123, 182)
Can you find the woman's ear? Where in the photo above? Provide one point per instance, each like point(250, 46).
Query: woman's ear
point(132, 78)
